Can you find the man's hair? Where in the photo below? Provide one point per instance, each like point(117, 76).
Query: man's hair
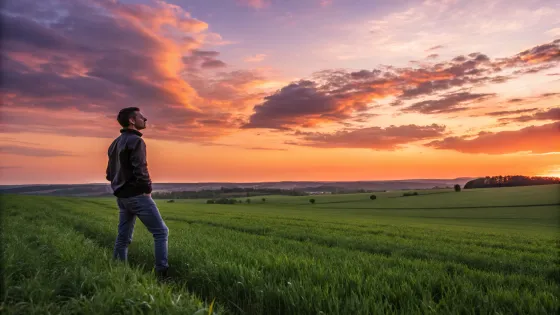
point(125, 114)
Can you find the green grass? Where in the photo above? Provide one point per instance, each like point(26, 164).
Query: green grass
point(487, 251)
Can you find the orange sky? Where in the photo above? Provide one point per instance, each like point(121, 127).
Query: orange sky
point(389, 94)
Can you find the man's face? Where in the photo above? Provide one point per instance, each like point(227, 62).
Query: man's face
point(139, 121)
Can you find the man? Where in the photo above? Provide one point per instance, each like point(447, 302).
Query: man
point(127, 170)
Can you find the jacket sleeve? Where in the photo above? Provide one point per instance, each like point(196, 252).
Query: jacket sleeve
point(140, 167)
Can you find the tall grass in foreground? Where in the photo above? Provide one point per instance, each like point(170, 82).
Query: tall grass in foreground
point(49, 268)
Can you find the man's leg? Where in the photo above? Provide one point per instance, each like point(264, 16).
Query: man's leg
point(125, 232)
point(146, 210)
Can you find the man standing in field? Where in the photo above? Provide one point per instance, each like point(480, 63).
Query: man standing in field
point(127, 170)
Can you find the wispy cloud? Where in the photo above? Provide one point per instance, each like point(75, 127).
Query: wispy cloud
point(536, 139)
point(434, 48)
point(32, 151)
point(377, 138)
point(255, 58)
point(256, 4)
point(549, 114)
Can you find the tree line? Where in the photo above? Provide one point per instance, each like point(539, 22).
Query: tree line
point(510, 181)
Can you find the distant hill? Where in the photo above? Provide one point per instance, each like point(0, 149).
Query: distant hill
point(100, 190)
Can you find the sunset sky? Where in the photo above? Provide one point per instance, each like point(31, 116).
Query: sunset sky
point(271, 90)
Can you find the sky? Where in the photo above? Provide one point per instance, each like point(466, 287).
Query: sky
point(276, 90)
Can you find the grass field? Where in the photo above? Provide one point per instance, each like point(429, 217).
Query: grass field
point(487, 251)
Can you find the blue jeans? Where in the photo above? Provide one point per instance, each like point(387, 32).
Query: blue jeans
point(143, 207)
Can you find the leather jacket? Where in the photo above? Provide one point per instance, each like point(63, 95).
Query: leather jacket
point(127, 169)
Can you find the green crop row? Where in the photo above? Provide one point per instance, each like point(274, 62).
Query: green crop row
point(255, 266)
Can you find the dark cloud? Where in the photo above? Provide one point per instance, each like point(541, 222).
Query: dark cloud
point(432, 56)
point(550, 114)
point(515, 100)
point(213, 64)
point(510, 112)
point(435, 48)
point(301, 99)
point(205, 53)
point(304, 103)
point(537, 139)
point(31, 151)
point(447, 104)
point(203, 59)
point(390, 138)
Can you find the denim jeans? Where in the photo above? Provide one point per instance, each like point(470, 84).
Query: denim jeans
point(143, 207)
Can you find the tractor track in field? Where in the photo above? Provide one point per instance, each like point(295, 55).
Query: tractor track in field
point(473, 264)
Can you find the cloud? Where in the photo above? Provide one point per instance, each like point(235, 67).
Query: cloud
point(266, 149)
point(432, 56)
point(335, 95)
point(303, 103)
point(255, 58)
point(213, 64)
point(435, 48)
point(390, 138)
point(202, 59)
point(325, 3)
point(31, 151)
point(256, 4)
point(550, 114)
point(510, 112)
point(449, 103)
point(97, 56)
point(536, 139)
point(554, 32)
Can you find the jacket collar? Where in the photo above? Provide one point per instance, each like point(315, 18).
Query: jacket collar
point(138, 133)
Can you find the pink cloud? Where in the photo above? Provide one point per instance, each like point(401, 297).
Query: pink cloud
point(257, 4)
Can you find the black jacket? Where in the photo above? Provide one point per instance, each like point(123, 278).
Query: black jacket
point(127, 169)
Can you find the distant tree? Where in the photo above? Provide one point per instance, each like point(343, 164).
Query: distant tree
point(372, 197)
point(210, 201)
point(457, 187)
point(510, 181)
point(406, 194)
point(171, 200)
point(264, 200)
point(248, 200)
point(312, 201)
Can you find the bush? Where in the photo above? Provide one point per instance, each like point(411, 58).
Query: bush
point(248, 200)
point(406, 194)
point(222, 201)
point(312, 201)
point(372, 197)
point(457, 187)
point(170, 201)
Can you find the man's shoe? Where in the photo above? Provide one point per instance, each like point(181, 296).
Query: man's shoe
point(162, 275)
